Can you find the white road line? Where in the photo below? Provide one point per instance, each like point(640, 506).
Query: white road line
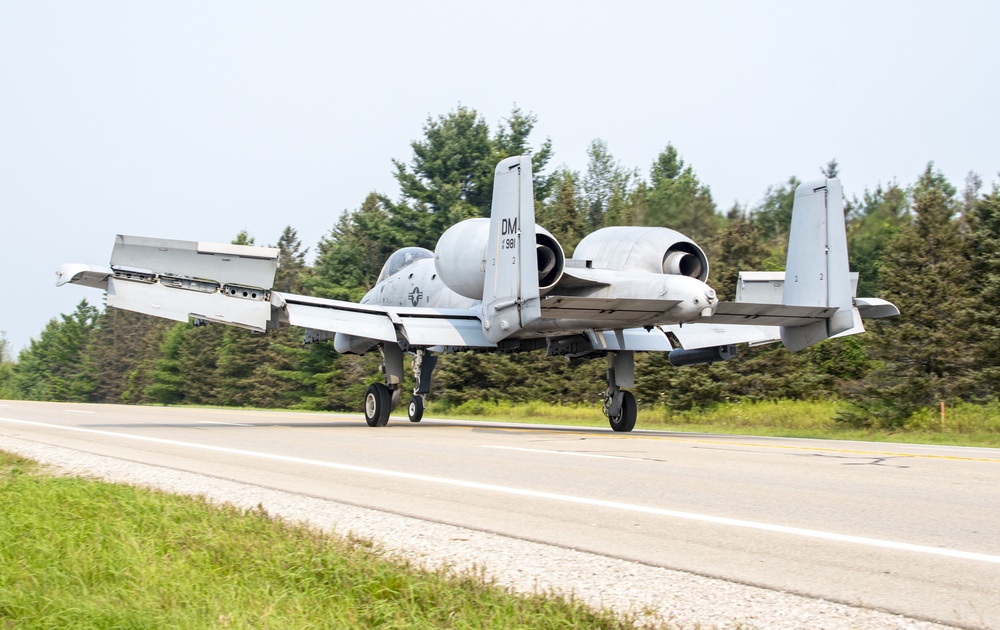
point(538, 450)
point(551, 496)
point(228, 424)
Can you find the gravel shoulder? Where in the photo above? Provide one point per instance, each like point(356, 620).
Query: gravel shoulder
point(675, 598)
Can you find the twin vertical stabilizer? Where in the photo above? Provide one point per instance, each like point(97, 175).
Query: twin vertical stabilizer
point(817, 272)
point(510, 292)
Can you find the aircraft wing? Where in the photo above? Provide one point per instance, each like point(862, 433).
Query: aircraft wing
point(610, 309)
point(418, 326)
point(768, 314)
point(231, 284)
point(753, 324)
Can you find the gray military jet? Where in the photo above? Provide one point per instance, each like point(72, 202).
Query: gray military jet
point(504, 284)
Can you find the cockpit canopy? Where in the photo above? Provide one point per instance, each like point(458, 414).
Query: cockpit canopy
point(401, 259)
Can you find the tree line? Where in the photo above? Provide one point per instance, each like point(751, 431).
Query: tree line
point(931, 249)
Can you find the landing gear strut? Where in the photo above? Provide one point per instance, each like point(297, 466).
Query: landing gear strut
point(619, 404)
point(423, 365)
point(382, 398)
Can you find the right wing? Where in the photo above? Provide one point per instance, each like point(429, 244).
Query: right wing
point(231, 284)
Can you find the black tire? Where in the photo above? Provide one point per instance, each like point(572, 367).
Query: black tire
point(377, 402)
point(625, 421)
point(415, 410)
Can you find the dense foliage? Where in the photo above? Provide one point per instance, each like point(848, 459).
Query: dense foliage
point(932, 251)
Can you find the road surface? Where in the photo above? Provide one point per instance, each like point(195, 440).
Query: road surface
point(913, 530)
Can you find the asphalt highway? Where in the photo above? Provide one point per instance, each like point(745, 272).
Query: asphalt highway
point(908, 529)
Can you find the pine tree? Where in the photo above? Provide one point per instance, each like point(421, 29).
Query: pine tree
point(928, 351)
point(678, 200)
point(53, 367)
point(607, 188)
point(873, 222)
point(351, 256)
point(740, 247)
point(291, 262)
point(511, 138)
point(774, 214)
point(122, 349)
point(985, 251)
point(561, 215)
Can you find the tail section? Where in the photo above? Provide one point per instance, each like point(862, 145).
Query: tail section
point(817, 272)
point(510, 293)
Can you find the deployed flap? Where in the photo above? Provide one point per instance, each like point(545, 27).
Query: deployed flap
point(336, 316)
point(633, 339)
point(769, 314)
point(177, 303)
point(597, 308)
point(443, 330)
point(694, 336)
point(510, 293)
point(420, 326)
point(223, 263)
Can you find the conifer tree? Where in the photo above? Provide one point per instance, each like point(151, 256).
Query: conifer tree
point(985, 252)
point(926, 352)
point(561, 215)
point(53, 367)
point(351, 256)
point(873, 222)
point(679, 201)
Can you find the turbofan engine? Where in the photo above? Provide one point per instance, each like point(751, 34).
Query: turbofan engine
point(460, 257)
point(651, 249)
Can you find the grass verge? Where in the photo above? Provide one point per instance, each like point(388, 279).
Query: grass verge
point(964, 425)
point(77, 553)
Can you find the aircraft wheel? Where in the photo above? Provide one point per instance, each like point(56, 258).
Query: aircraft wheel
point(377, 402)
point(625, 421)
point(416, 409)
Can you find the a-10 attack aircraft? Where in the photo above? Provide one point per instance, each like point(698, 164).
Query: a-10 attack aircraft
point(504, 285)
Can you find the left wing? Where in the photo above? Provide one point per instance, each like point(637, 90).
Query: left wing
point(757, 315)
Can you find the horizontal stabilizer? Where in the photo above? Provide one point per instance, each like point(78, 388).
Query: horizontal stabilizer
point(876, 308)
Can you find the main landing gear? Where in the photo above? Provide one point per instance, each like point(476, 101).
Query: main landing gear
point(423, 365)
point(619, 404)
point(382, 398)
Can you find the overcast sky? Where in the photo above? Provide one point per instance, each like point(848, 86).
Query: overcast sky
point(198, 119)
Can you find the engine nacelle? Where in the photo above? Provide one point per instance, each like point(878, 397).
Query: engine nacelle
point(651, 249)
point(460, 257)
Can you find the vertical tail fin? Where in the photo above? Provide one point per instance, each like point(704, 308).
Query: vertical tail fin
point(510, 293)
point(817, 272)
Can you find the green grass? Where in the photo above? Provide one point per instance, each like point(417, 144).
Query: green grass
point(965, 424)
point(78, 553)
